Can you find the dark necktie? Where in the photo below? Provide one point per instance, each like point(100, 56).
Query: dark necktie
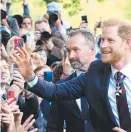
point(84, 107)
point(122, 106)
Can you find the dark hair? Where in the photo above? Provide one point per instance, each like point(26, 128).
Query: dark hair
point(86, 33)
point(19, 19)
point(3, 14)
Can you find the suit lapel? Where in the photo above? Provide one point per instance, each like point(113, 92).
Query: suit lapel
point(82, 101)
point(74, 103)
point(104, 85)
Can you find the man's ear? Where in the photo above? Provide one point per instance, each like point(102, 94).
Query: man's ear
point(92, 48)
point(128, 40)
point(128, 43)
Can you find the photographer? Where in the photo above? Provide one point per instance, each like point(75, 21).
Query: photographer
point(55, 20)
point(53, 46)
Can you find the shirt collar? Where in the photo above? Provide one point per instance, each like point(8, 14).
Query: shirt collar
point(78, 72)
point(126, 70)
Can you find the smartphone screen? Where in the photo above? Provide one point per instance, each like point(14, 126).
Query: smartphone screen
point(48, 76)
point(84, 18)
point(24, 38)
point(11, 96)
point(18, 43)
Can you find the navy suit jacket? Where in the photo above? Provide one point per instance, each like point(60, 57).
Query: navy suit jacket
point(76, 121)
point(93, 85)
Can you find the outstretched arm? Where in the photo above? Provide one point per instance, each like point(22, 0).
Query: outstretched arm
point(65, 91)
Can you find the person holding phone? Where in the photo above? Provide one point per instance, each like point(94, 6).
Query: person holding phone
point(84, 22)
point(106, 85)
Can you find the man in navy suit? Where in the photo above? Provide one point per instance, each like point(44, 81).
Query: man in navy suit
point(74, 113)
point(100, 84)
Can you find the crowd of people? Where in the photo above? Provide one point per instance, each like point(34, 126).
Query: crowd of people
point(58, 79)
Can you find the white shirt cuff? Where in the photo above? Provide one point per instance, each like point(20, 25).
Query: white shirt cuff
point(33, 82)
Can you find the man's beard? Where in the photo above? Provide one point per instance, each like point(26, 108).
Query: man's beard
point(114, 58)
point(76, 65)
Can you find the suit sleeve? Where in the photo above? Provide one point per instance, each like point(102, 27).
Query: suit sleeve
point(55, 122)
point(69, 90)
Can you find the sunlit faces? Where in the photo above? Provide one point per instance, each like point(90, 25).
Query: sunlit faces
point(27, 24)
point(79, 52)
point(112, 46)
point(4, 72)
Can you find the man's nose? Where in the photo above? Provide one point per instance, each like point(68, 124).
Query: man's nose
point(103, 44)
point(71, 55)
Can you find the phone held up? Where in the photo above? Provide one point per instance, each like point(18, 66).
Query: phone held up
point(48, 76)
point(10, 96)
point(18, 43)
point(84, 19)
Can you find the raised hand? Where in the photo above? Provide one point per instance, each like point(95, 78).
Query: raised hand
point(23, 62)
point(7, 118)
point(26, 125)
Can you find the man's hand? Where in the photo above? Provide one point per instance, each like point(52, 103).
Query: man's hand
point(117, 129)
point(23, 62)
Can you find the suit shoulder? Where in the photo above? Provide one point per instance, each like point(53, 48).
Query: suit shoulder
point(98, 64)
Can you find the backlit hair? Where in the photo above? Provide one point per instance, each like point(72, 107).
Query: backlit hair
point(124, 26)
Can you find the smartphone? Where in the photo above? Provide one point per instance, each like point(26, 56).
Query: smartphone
point(15, 68)
point(84, 18)
point(18, 43)
point(24, 38)
point(11, 95)
point(48, 76)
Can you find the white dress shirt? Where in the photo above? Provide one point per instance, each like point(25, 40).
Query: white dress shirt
point(78, 101)
point(112, 89)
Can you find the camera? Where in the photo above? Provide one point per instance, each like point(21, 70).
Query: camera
point(45, 36)
point(53, 17)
